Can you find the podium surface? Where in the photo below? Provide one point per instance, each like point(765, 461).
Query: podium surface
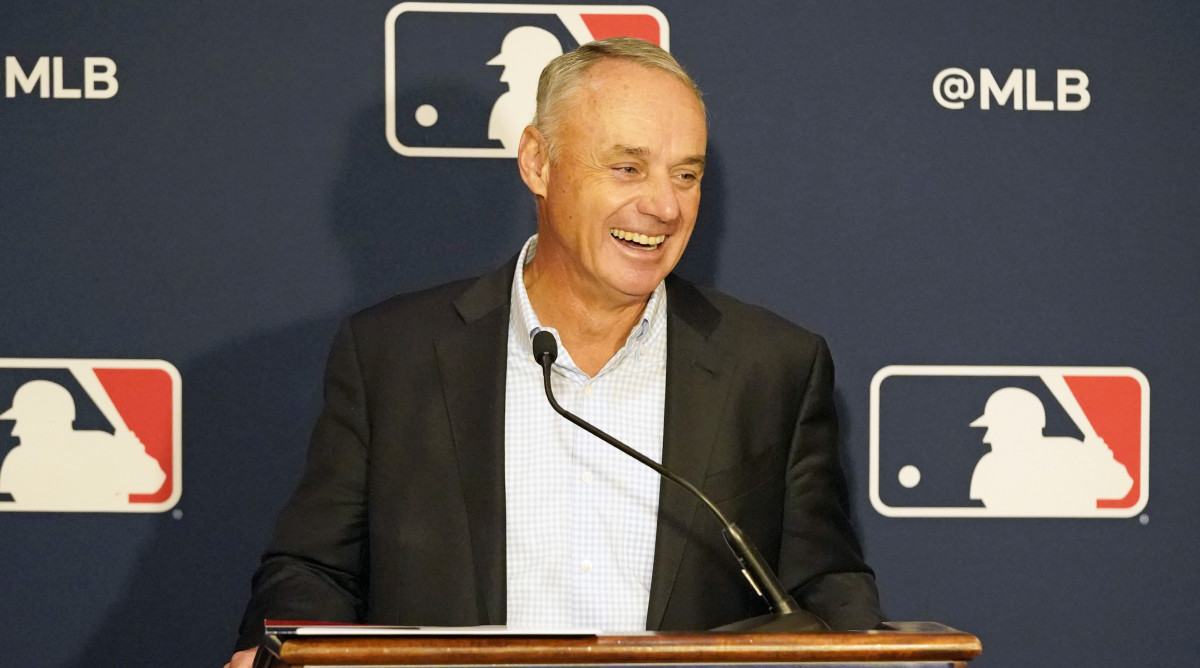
point(903, 644)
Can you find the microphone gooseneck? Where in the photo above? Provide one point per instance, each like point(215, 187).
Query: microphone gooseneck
point(787, 615)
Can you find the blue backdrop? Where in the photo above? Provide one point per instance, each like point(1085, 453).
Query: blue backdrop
point(238, 195)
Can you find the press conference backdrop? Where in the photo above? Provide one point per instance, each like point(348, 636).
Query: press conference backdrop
point(989, 209)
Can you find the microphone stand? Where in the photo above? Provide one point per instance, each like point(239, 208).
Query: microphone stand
point(786, 615)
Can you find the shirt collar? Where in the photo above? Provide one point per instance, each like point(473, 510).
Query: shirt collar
point(525, 321)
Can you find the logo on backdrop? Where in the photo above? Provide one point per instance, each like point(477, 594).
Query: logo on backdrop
point(461, 78)
point(975, 441)
point(89, 435)
point(953, 87)
point(54, 77)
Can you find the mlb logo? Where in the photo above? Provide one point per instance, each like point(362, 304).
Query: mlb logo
point(461, 78)
point(975, 441)
point(80, 435)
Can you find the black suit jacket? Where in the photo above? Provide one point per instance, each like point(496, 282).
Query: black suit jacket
point(399, 517)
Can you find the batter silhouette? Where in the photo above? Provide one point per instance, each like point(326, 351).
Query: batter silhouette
point(1027, 473)
point(524, 52)
point(56, 467)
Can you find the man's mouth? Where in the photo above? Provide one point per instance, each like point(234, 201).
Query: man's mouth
point(635, 240)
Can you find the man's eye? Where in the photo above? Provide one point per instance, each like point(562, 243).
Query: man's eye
point(627, 169)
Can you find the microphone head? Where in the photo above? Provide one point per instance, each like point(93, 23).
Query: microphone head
point(545, 345)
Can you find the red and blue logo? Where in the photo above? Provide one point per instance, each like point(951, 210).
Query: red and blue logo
point(974, 441)
point(85, 435)
point(461, 78)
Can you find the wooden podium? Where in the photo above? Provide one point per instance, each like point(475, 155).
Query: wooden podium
point(902, 644)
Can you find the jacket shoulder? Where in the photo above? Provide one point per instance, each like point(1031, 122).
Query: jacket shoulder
point(426, 310)
point(753, 328)
point(430, 312)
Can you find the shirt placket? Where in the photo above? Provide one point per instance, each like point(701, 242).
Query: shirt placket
point(579, 565)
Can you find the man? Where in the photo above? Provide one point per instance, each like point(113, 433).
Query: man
point(442, 490)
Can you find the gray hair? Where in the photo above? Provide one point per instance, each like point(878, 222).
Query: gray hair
point(563, 75)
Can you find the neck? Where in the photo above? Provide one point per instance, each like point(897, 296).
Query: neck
point(593, 329)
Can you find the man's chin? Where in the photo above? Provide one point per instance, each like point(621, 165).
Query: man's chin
point(639, 289)
point(636, 279)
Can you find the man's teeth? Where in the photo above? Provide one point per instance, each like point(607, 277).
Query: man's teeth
point(643, 239)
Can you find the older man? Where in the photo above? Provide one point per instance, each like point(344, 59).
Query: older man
point(442, 490)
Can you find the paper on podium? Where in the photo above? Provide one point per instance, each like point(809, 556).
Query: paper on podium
point(303, 628)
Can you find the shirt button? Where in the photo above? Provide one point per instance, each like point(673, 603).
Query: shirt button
point(587, 390)
point(586, 477)
point(585, 566)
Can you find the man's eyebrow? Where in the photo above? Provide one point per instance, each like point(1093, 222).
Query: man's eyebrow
point(642, 152)
point(631, 151)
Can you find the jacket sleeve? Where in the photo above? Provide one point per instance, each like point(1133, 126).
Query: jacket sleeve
point(314, 568)
point(820, 557)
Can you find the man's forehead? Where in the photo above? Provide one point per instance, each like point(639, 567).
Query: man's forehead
point(624, 110)
point(617, 84)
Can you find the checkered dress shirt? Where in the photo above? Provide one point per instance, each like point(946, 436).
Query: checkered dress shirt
point(581, 515)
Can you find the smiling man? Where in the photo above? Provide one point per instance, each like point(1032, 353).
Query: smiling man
point(616, 170)
point(441, 488)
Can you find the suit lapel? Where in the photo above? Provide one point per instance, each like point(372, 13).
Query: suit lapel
point(695, 398)
point(472, 363)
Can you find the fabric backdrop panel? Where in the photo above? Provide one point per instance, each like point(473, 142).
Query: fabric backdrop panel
point(238, 195)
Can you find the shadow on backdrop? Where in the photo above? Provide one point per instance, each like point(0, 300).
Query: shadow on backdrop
point(701, 261)
point(845, 436)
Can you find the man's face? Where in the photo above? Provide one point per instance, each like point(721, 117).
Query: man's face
point(621, 200)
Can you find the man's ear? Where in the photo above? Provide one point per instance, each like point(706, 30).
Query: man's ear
point(533, 161)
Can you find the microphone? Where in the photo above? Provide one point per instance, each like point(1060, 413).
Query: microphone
point(786, 615)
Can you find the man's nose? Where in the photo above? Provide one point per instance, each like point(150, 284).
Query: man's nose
point(660, 199)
